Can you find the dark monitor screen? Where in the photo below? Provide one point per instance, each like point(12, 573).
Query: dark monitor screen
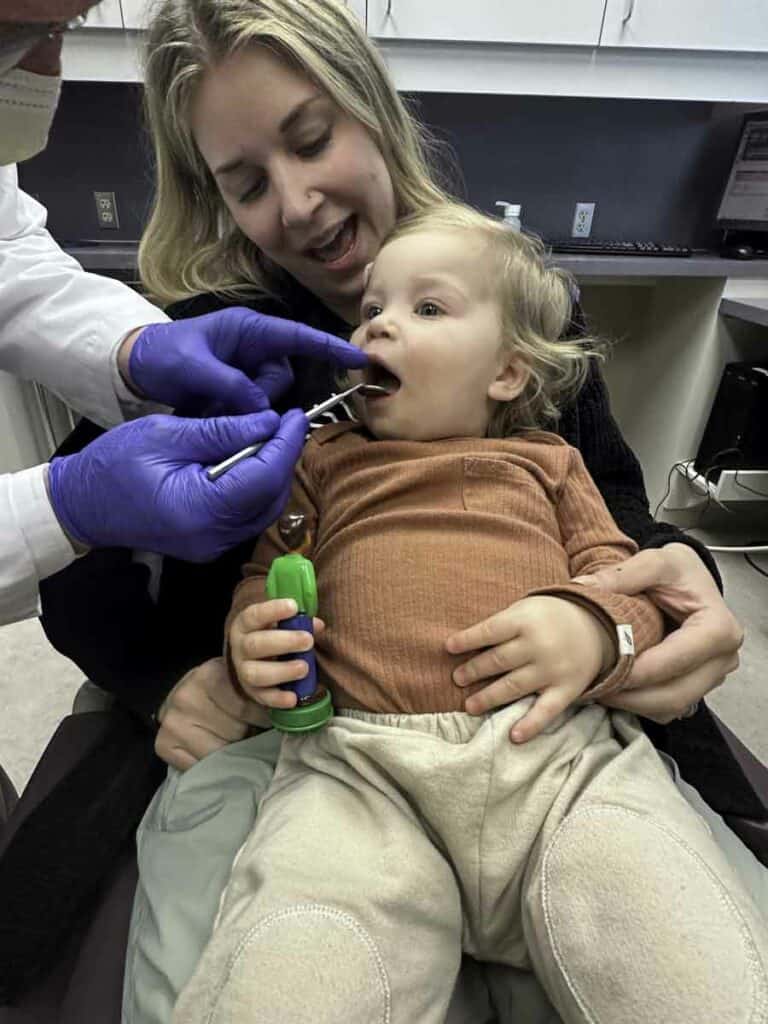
point(745, 200)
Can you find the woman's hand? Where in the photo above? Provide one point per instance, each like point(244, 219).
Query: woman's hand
point(203, 713)
point(666, 680)
point(540, 645)
point(255, 642)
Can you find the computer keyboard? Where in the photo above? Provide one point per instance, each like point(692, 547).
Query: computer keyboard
point(593, 247)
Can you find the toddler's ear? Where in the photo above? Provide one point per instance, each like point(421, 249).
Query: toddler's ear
point(510, 381)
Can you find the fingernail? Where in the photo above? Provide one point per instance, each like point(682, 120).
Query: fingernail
point(458, 678)
point(291, 607)
point(516, 736)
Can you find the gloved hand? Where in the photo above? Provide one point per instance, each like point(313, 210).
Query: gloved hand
point(143, 484)
point(236, 358)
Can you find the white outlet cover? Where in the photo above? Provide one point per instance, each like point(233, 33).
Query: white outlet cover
point(582, 220)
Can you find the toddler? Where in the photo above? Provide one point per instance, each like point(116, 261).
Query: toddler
point(408, 831)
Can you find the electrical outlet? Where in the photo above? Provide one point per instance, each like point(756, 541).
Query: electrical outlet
point(582, 220)
point(106, 209)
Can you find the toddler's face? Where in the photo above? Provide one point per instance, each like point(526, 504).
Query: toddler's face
point(431, 325)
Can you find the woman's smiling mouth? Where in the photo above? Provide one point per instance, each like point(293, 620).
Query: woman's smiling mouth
point(336, 254)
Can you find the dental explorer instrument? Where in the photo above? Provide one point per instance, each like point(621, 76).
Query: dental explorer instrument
point(366, 390)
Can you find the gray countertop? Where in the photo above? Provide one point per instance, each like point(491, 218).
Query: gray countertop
point(661, 266)
point(122, 257)
point(105, 257)
point(753, 311)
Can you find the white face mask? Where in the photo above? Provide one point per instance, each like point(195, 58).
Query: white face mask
point(27, 105)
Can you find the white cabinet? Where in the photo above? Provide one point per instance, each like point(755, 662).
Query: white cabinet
point(576, 22)
point(649, 49)
point(135, 13)
point(358, 6)
point(687, 24)
point(107, 14)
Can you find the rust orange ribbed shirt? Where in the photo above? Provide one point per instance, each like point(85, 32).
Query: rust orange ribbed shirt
point(416, 540)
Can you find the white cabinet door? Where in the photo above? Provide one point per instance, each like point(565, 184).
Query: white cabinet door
point(687, 24)
point(105, 15)
point(135, 13)
point(575, 22)
point(358, 6)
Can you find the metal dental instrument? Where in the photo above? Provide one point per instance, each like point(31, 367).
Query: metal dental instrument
point(366, 390)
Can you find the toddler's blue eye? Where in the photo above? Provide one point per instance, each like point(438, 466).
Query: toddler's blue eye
point(428, 309)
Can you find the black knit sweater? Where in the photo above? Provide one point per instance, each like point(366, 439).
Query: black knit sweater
point(98, 612)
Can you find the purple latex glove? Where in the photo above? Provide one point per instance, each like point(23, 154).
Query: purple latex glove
point(236, 358)
point(143, 484)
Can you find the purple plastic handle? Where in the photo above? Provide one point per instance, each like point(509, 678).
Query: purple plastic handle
point(305, 687)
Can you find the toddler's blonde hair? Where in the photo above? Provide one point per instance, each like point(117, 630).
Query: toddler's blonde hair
point(535, 300)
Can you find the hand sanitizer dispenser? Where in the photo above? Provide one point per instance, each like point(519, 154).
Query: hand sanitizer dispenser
point(510, 214)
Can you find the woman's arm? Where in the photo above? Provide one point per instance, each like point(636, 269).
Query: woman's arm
point(590, 426)
point(674, 569)
point(202, 714)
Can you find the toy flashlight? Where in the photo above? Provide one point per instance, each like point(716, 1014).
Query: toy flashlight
point(293, 576)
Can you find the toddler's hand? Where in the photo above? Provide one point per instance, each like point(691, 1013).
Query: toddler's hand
point(540, 645)
point(255, 641)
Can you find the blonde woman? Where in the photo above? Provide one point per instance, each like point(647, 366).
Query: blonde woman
point(284, 156)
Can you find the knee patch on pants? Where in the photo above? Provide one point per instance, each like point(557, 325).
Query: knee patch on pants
point(635, 924)
point(305, 964)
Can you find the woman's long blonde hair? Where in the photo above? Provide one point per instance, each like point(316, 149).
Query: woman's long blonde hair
point(535, 304)
point(191, 244)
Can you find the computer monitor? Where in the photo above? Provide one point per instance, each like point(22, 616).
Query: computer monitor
point(744, 206)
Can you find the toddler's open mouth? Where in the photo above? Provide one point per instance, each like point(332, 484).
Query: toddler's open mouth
point(377, 373)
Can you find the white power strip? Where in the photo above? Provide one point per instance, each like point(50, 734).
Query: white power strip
point(732, 484)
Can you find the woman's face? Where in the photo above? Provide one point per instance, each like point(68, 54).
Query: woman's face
point(303, 180)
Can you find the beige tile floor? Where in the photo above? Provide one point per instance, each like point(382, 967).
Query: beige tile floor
point(37, 685)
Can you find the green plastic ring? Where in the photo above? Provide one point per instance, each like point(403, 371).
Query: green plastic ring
point(305, 718)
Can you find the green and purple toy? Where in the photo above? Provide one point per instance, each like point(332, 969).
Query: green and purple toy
point(293, 576)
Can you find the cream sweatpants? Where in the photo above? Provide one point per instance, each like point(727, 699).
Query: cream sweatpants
point(387, 844)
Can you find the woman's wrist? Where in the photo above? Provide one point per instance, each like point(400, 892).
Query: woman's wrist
point(690, 546)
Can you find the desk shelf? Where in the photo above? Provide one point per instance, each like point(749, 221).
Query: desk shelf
point(750, 310)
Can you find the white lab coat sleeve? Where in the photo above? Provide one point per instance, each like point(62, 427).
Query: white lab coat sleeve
point(32, 544)
point(60, 325)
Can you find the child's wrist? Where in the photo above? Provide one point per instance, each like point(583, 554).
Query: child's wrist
point(604, 639)
point(607, 647)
